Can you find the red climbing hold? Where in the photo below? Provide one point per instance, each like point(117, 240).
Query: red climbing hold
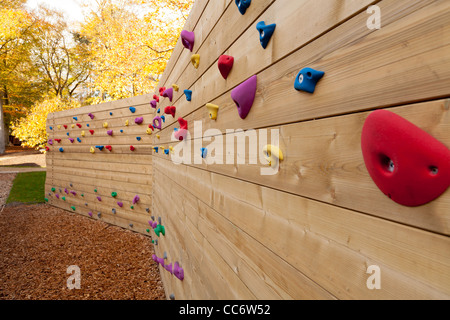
point(109, 148)
point(91, 131)
point(132, 148)
point(78, 125)
point(405, 162)
point(170, 110)
point(58, 140)
point(183, 123)
point(161, 91)
point(65, 126)
point(225, 65)
point(156, 97)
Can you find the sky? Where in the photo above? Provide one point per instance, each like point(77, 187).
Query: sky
point(71, 8)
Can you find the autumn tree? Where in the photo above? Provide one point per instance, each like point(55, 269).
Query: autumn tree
point(131, 43)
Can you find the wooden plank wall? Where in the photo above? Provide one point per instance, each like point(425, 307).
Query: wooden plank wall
point(312, 230)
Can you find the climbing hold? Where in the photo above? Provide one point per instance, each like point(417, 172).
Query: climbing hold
point(188, 94)
point(188, 39)
point(79, 125)
point(131, 225)
point(58, 126)
point(95, 190)
point(153, 224)
point(67, 133)
point(66, 191)
point(170, 110)
point(132, 207)
point(244, 96)
point(110, 113)
point(158, 136)
point(172, 296)
point(136, 199)
point(265, 32)
point(92, 150)
point(65, 126)
point(178, 271)
point(307, 80)
point(126, 123)
point(157, 122)
point(153, 104)
point(195, 60)
point(212, 108)
point(406, 163)
point(57, 196)
point(158, 111)
point(73, 208)
point(99, 198)
point(161, 90)
point(204, 152)
point(105, 125)
point(100, 147)
point(163, 118)
point(75, 118)
point(113, 194)
point(183, 123)
point(132, 148)
point(168, 93)
point(72, 126)
point(225, 65)
point(156, 97)
point(182, 132)
point(47, 148)
point(273, 154)
point(160, 230)
point(82, 194)
point(149, 131)
point(90, 214)
point(61, 149)
point(91, 131)
point(99, 215)
point(78, 139)
point(120, 204)
point(175, 87)
point(113, 210)
point(50, 142)
point(109, 148)
point(166, 151)
point(139, 120)
point(91, 116)
point(73, 192)
point(64, 198)
point(132, 109)
point(46, 199)
point(155, 149)
point(53, 189)
point(87, 124)
point(243, 5)
point(138, 138)
point(121, 131)
point(147, 209)
point(168, 267)
point(109, 132)
point(82, 133)
point(58, 140)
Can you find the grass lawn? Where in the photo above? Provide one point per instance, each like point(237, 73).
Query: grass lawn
point(28, 187)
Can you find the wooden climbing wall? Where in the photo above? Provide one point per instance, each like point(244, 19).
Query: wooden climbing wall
point(320, 228)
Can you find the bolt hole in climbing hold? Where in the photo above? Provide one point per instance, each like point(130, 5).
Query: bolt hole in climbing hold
point(307, 80)
point(387, 163)
point(434, 170)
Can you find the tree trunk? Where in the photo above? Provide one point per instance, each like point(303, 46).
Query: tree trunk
point(2, 125)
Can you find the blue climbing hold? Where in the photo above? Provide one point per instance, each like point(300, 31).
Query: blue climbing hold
point(51, 128)
point(138, 138)
point(166, 151)
point(265, 32)
point(307, 80)
point(243, 5)
point(121, 130)
point(67, 134)
point(156, 149)
point(100, 147)
point(175, 129)
point(87, 124)
point(188, 94)
point(110, 113)
point(78, 139)
point(158, 111)
point(163, 118)
point(75, 118)
point(61, 150)
point(132, 109)
point(204, 152)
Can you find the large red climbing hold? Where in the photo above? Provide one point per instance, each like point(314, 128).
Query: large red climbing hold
point(170, 110)
point(406, 163)
point(225, 65)
point(91, 131)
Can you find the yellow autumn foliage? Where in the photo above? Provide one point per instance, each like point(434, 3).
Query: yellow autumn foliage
point(31, 129)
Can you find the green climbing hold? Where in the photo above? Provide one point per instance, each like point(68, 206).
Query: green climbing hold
point(132, 207)
point(95, 190)
point(53, 189)
point(148, 230)
point(64, 198)
point(46, 200)
point(113, 194)
point(160, 229)
point(73, 208)
point(82, 194)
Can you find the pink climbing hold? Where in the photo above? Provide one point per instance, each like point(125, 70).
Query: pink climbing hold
point(139, 120)
point(244, 96)
point(188, 39)
point(168, 93)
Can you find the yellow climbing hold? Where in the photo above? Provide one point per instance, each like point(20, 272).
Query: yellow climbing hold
point(195, 59)
point(175, 87)
point(58, 126)
point(149, 131)
point(73, 126)
point(158, 136)
point(82, 133)
point(92, 150)
point(105, 125)
point(212, 108)
point(272, 153)
point(126, 122)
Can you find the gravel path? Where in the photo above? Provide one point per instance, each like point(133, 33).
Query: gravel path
point(6, 182)
point(39, 242)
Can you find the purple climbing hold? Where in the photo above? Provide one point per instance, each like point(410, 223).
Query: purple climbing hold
point(153, 104)
point(109, 132)
point(136, 199)
point(66, 191)
point(158, 120)
point(188, 39)
point(244, 96)
point(73, 192)
point(168, 93)
point(90, 214)
point(120, 204)
point(139, 120)
point(91, 115)
point(168, 267)
point(99, 198)
point(71, 140)
point(178, 271)
point(57, 196)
